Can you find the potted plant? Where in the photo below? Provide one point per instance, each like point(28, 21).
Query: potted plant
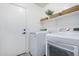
point(49, 12)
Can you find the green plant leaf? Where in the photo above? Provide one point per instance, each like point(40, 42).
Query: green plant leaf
point(49, 12)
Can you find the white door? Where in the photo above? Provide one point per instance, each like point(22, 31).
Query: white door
point(12, 25)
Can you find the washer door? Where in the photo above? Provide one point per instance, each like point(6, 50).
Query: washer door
point(60, 49)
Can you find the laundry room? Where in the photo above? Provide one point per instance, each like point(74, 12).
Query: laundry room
point(39, 29)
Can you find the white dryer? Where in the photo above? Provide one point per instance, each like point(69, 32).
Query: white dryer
point(37, 43)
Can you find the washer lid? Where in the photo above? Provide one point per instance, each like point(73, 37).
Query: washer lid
point(71, 35)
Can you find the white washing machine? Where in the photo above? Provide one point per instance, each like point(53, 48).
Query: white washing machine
point(37, 43)
point(62, 44)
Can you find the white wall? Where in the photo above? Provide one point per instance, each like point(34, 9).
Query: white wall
point(12, 23)
point(57, 7)
point(67, 21)
point(33, 15)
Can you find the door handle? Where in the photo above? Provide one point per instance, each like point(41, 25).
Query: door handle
point(24, 33)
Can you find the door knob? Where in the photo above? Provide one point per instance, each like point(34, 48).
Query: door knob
point(24, 33)
point(24, 29)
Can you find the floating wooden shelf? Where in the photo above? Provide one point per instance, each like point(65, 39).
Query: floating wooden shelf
point(67, 11)
point(46, 18)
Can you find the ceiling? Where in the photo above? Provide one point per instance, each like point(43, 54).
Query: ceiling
point(41, 4)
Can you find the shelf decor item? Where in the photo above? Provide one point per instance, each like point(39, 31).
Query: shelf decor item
point(49, 12)
point(63, 12)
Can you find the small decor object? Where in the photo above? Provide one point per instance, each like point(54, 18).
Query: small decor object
point(49, 12)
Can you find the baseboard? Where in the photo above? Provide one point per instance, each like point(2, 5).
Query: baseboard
point(21, 54)
point(25, 53)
